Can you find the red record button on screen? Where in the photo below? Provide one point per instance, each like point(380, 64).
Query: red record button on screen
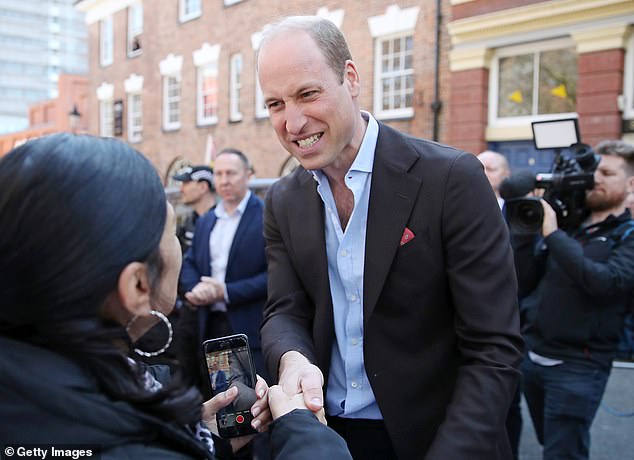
point(240, 419)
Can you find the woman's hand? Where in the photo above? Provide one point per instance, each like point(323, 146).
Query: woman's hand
point(260, 410)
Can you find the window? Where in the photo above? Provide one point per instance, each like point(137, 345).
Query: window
point(529, 82)
point(133, 87)
point(106, 41)
point(231, 2)
point(172, 103)
point(105, 96)
point(189, 9)
point(261, 110)
point(207, 103)
point(135, 29)
point(106, 118)
point(235, 113)
point(393, 34)
point(394, 85)
point(206, 62)
point(135, 118)
point(170, 69)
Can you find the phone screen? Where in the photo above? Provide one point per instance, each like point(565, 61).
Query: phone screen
point(229, 364)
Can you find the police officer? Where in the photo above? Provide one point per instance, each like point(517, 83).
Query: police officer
point(198, 192)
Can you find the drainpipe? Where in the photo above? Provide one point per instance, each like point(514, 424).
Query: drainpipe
point(436, 106)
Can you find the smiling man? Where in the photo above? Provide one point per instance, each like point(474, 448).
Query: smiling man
point(391, 282)
point(579, 285)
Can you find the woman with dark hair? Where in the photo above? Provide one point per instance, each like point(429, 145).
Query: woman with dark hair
point(89, 262)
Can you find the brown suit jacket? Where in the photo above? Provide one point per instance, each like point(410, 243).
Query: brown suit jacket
point(441, 326)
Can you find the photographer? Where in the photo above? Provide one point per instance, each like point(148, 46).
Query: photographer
point(575, 287)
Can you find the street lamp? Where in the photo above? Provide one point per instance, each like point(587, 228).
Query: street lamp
point(73, 118)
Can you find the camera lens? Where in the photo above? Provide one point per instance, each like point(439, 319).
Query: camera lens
point(525, 215)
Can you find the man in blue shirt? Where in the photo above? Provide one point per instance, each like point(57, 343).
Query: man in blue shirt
point(391, 279)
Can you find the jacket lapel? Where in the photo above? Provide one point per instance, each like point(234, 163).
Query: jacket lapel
point(392, 196)
point(307, 215)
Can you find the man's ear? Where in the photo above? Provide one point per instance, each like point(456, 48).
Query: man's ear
point(134, 289)
point(352, 78)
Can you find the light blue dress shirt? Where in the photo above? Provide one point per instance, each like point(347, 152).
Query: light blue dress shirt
point(349, 393)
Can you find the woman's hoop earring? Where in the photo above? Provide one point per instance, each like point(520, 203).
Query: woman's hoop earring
point(162, 317)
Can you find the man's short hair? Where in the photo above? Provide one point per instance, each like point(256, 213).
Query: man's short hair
point(247, 163)
point(324, 32)
point(197, 173)
point(619, 149)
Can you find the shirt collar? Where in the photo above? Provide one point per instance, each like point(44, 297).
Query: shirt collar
point(221, 212)
point(364, 160)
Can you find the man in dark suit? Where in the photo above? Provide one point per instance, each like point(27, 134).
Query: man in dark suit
point(391, 277)
point(224, 272)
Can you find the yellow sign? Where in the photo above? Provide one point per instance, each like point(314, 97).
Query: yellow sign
point(516, 96)
point(559, 91)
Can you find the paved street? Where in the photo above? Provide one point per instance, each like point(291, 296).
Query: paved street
point(612, 435)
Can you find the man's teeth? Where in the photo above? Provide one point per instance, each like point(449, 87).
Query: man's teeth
point(309, 141)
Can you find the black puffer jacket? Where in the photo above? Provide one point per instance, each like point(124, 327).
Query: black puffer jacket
point(46, 398)
point(576, 289)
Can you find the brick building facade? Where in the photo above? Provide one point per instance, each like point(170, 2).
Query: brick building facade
point(53, 116)
point(163, 74)
point(517, 61)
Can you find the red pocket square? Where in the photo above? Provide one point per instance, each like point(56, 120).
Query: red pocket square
point(408, 236)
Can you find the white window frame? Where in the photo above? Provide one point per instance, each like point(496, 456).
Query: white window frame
point(206, 59)
point(105, 96)
point(261, 110)
point(168, 124)
point(236, 67)
point(170, 69)
point(134, 87)
point(403, 112)
point(231, 2)
point(394, 23)
point(106, 41)
point(628, 80)
point(135, 118)
point(201, 119)
point(184, 15)
point(106, 118)
point(494, 71)
point(135, 27)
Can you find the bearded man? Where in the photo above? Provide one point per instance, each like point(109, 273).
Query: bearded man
point(578, 285)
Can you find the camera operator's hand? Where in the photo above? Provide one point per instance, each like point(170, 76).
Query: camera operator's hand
point(549, 225)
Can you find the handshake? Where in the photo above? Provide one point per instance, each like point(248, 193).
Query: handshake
point(300, 388)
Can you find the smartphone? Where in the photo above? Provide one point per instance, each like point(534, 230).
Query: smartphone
point(229, 363)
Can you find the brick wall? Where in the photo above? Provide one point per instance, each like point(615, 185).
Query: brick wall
point(468, 109)
point(600, 81)
point(231, 27)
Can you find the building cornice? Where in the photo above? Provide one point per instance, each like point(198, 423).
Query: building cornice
point(96, 10)
point(535, 17)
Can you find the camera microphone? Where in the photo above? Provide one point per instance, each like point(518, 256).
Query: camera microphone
point(518, 185)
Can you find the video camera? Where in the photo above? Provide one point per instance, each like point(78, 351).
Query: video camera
point(565, 185)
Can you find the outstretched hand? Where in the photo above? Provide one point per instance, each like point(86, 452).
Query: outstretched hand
point(300, 376)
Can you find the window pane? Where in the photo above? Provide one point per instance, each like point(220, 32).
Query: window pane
point(397, 78)
point(515, 86)
point(558, 81)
